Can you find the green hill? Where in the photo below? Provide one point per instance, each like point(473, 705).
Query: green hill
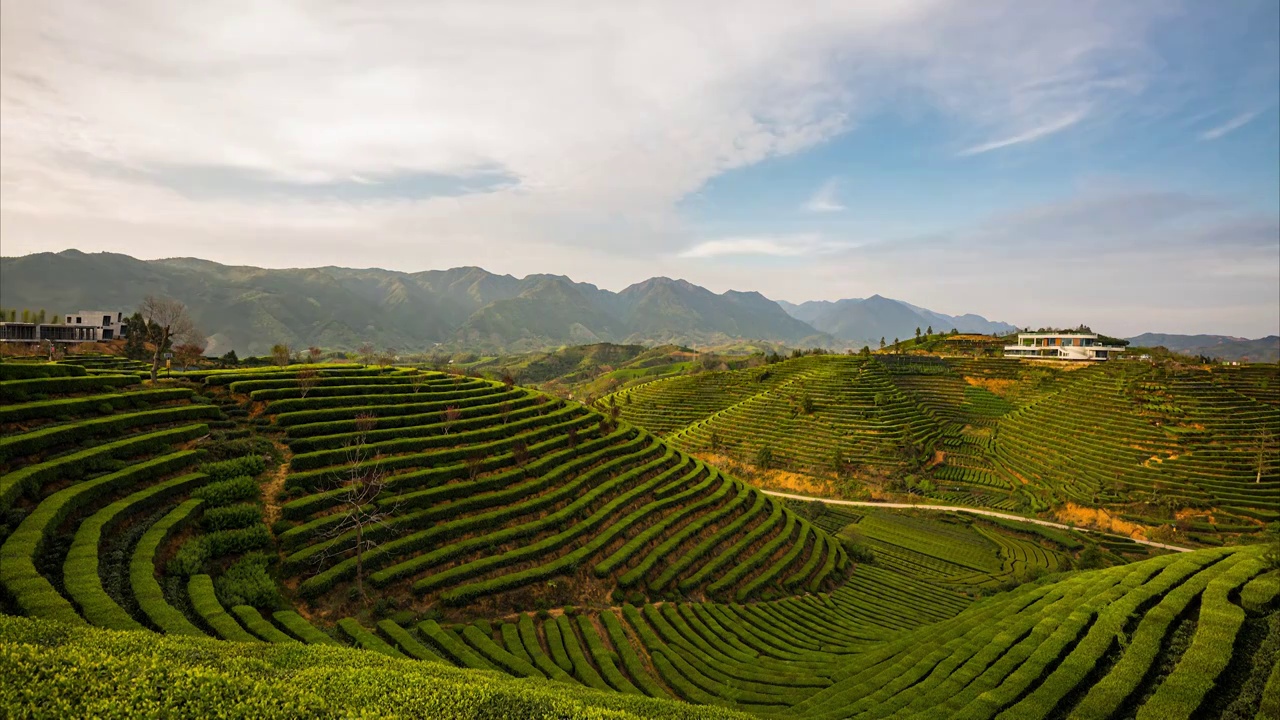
point(1163, 443)
point(250, 309)
point(527, 556)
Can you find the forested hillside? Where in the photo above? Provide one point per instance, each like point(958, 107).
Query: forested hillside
point(250, 309)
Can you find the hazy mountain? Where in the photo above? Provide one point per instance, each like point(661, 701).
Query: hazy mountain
point(1222, 347)
point(678, 311)
point(865, 321)
point(249, 309)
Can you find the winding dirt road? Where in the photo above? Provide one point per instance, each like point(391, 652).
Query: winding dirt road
point(974, 511)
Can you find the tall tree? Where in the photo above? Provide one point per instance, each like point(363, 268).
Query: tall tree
point(366, 352)
point(281, 354)
point(307, 379)
point(188, 353)
point(358, 483)
point(167, 322)
point(1266, 448)
point(135, 337)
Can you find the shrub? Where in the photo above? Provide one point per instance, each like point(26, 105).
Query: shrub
point(236, 489)
point(244, 447)
point(764, 457)
point(857, 552)
point(231, 517)
point(247, 582)
point(225, 470)
point(1272, 554)
point(189, 560)
point(191, 557)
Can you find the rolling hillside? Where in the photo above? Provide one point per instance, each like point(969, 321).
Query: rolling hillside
point(520, 535)
point(995, 432)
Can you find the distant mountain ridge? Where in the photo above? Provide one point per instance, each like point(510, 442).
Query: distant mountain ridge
point(249, 309)
point(1222, 347)
point(865, 321)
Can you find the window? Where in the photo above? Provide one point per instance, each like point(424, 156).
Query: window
point(106, 319)
point(78, 320)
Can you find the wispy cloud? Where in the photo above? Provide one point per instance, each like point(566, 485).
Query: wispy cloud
point(1229, 126)
point(825, 200)
point(1035, 133)
point(799, 245)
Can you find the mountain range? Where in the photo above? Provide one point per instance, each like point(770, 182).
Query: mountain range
point(249, 309)
point(1222, 347)
point(865, 321)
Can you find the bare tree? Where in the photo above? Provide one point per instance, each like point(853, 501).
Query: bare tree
point(366, 353)
point(451, 415)
point(387, 357)
point(307, 379)
point(167, 322)
point(417, 380)
point(361, 479)
point(188, 353)
point(520, 452)
point(1266, 449)
point(475, 463)
point(313, 354)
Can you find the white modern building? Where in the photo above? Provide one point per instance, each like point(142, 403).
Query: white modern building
point(110, 325)
point(1061, 346)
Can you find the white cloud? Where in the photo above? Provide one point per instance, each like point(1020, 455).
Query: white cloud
point(602, 120)
point(1229, 126)
point(825, 199)
point(1030, 135)
point(773, 246)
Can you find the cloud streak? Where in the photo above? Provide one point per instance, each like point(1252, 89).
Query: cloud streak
point(1229, 126)
point(781, 246)
point(1026, 136)
point(825, 200)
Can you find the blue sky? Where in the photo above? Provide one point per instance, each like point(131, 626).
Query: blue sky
point(1055, 162)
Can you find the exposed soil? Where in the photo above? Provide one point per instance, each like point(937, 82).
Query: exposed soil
point(1098, 518)
point(770, 479)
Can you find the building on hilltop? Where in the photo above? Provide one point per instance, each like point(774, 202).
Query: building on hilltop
point(1061, 346)
point(110, 325)
point(84, 326)
point(32, 333)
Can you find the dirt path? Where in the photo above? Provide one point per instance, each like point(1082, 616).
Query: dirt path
point(974, 511)
point(275, 484)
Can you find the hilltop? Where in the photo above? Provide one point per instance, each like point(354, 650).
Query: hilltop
point(1166, 449)
point(249, 309)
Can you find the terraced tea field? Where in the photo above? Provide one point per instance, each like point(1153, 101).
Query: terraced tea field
point(998, 433)
point(524, 556)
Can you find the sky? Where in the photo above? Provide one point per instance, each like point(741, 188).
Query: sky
point(1048, 163)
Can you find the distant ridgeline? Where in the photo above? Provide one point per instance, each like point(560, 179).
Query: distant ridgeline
point(998, 432)
point(498, 529)
point(250, 309)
